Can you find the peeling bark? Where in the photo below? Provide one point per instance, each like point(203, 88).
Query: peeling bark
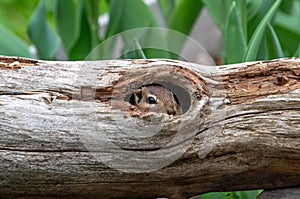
point(68, 130)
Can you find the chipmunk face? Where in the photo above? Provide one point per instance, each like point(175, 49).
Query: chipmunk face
point(156, 98)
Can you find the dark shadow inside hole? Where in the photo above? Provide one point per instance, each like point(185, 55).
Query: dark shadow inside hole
point(181, 95)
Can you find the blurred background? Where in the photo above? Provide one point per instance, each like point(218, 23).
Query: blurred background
point(201, 31)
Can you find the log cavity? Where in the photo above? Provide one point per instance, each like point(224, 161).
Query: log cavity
point(180, 95)
point(188, 87)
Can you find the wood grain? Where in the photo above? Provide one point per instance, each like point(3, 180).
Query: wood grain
point(67, 129)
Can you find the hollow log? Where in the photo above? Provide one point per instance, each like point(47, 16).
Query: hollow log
point(67, 129)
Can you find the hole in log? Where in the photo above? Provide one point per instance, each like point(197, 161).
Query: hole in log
point(180, 82)
point(160, 97)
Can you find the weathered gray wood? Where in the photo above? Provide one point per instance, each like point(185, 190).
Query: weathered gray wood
point(288, 193)
point(66, 129)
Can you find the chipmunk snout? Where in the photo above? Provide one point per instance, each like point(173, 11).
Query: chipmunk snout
point(156, 98)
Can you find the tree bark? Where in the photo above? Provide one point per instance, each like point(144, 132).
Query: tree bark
point(67, 129)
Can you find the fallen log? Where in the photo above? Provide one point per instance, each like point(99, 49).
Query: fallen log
point(68, 129)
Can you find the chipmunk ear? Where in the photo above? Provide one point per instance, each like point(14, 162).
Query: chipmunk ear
point(136, 97)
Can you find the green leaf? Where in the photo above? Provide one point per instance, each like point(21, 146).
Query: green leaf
point(129, 14)
point(105, 50)
point(289, 22)
point(135, 25)
point(287, 27)
point(183, 19)
point(253, 8)
point(218, 10)
point(272, 43)
point(15, 14)
point(247, 194)
point(92, 16)
point(232, 195)
point(135, 52)
point(297, 53)
point(103, 6)
point(138, 51)
point(83, 45)
point(256, 12)
point(40, 33)
point(67, 15)
point(150, 39)
point(287, 6)
point(256, 38)
point(184, 16)
point(216, 195)
point(288, 39)
point(166, 7)
point(242, 8)
point(235, 40)
point(11, 45)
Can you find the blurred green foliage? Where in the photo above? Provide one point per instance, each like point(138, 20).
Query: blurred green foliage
point(14, 15)
point(232, 195)
point(252, 29)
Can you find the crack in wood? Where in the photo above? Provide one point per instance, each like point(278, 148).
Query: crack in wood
point(261, 80)
point(44, 151)
point(12, 63)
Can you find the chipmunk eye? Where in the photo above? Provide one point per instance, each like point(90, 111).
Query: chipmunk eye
point(151, 100)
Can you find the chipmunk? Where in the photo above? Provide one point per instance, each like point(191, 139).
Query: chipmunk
point(156, 98)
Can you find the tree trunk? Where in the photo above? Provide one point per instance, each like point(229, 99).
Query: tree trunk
point(68, 130)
